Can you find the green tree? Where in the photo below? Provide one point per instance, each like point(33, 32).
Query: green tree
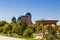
point(32, 28)
point(19, 30)
point(7, 28)
point(14, 26)
point(2, 23)
point(21, 26)
point(1, 29)
point(28, 32)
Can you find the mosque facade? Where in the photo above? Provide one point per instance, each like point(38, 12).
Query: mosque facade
point(26, 17)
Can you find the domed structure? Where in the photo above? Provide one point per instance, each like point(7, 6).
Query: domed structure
point(28, 14)
point(19, 18)
point(26, 17)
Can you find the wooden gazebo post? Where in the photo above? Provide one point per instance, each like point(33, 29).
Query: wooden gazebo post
point(44, 22)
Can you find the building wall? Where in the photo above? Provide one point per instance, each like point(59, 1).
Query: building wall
point(29, 22)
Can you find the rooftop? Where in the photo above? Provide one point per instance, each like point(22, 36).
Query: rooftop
point(49, 19)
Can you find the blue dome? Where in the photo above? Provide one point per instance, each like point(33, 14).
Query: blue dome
point(28, 14)
point(19, 18)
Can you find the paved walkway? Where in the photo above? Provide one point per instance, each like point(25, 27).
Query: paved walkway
point(9, 38)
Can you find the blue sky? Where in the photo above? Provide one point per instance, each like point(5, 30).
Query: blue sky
point(38, 8)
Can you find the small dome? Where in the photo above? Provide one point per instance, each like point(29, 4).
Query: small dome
point(19, 18)
point(28, 14)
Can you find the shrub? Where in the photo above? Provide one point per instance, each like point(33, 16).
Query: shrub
point(1, 29)
point(7, 28)
point(28, 32)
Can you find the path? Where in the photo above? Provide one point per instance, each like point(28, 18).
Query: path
point(9, 38)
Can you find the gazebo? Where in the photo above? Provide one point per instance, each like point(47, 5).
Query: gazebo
point(47, 21)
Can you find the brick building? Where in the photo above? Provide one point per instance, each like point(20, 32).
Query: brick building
point(26, 17)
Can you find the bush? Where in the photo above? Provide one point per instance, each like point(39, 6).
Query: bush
point(28, 32)
point(7, 28)
point(1, 29)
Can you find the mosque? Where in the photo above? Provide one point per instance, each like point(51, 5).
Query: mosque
point(26, 17)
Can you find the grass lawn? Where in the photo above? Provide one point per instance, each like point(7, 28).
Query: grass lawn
point(32, 39)
point(17, 36)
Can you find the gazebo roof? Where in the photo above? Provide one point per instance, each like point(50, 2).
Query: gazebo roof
point(47, 21)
